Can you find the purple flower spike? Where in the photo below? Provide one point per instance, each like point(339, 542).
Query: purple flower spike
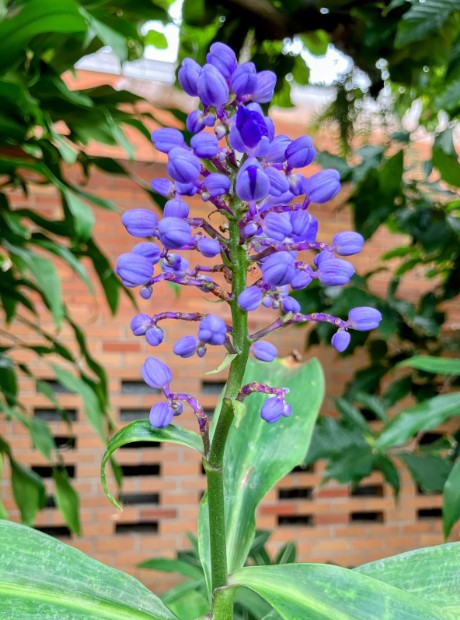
point(244, 79)
point(183, 166)
point(205, 145)
point(212, 330)
point(149, 250)
point(348, 243)
point(300, 152)
point(278, 269)
point(263, 92)
point(188, 76)
point(250, 299)
point(223, 58)
point(154, 336)
point(134, 269)
point(174, 233)
point(164, 187)
point(322, 186)
point(140, 323)
point(167, 138)
point(155, 373)
point(161, 415)
point(277, 226)
point(185, 346)
point(217, 184)
point(208, 247)
point(264, 351)
point(335, 271)
point(290, 304)
point(139, 222)
point(251, 181)
point(340, 340)
point(176, 208)
point(273, 408)
point(211, 87)
point(195, 121)
point(364, 318)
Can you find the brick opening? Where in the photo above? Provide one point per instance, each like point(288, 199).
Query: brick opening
point(368, 490)
point(47, 472)
point(129, 386)
point(55, 415)
point(295, 520)
point(367, 516)
point(152, 469)
point(136, 499)
point(137, 528)
point(296, 493)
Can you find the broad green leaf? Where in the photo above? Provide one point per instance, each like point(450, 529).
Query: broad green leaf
point(28, 490)
point(142, 430)
point(67, 500)
point(324, 592)
point(451, 500)
point(41, 577)
point(3, 513)
point(429, 471)
point(190, 607)
point(445, 158)
point(83, 216)
point(422, 417)
point(422, 19)
point(90, 401)
point(437, 365)
point(107, 35)
point(259, 454)
point(431, 574)
point(172, 566)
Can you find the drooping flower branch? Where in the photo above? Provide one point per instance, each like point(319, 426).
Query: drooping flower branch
point(238, 165)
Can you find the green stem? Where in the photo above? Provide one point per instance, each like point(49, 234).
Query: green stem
point(222, 599)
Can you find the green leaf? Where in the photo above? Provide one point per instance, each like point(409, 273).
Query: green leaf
point(270, 452)
point(83, 216)
point(437, 365)
point(445, 158)
point(28, 490)
point(41, 577)
point(422, 417)
point(228, 359)
point(67, 500)
point(157, 39)
point(451, 500)
point(142, 430)
point(431, 574)
point(191, 606)
point(168, 565)
point(322, 592)
point(422, 19)
point(429, 471)
point(3, 513)
point(117, 41)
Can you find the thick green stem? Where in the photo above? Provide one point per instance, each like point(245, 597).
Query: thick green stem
point(222, 600)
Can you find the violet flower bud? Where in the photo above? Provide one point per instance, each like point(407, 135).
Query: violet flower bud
point(154, 336)
point(340, 340)
point(155, 373)
point(183, 166)
point(176, 208)
point(277, 151)
point(186, 189)
point(250, 299)
point(335, 271)
point(348, 243)
point(212, 330)
point(251, 181)
point(279, 185)
point(134, 269)
point(273, 408)
point(217, 184)
point(290, 304)
point(149, 250)
point(195, 121)
point(322, 186)
point(212, 88)
point(301, 279)
point(140, 323)
point(266, 82)
point(278, 269)
point(304, 226)
point(175, 264)
point(161, 415)
point(297, 184)
point(139, 222)
point(251, 126)
point(188, 76)
point(174, 232)
point(300, 152)
point(264, 351)
point(364, 318)
point(244, 79)
point(164, 187)
point(185, 346)
point(167, 138)
point(205, 145)
point(277, 226)
point(146, 292)
point(223, 58)
point(208, 247)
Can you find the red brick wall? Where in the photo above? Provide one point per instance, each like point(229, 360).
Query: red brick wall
point(328, 524)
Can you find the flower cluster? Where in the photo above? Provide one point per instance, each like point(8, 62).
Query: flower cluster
point(251, 176)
